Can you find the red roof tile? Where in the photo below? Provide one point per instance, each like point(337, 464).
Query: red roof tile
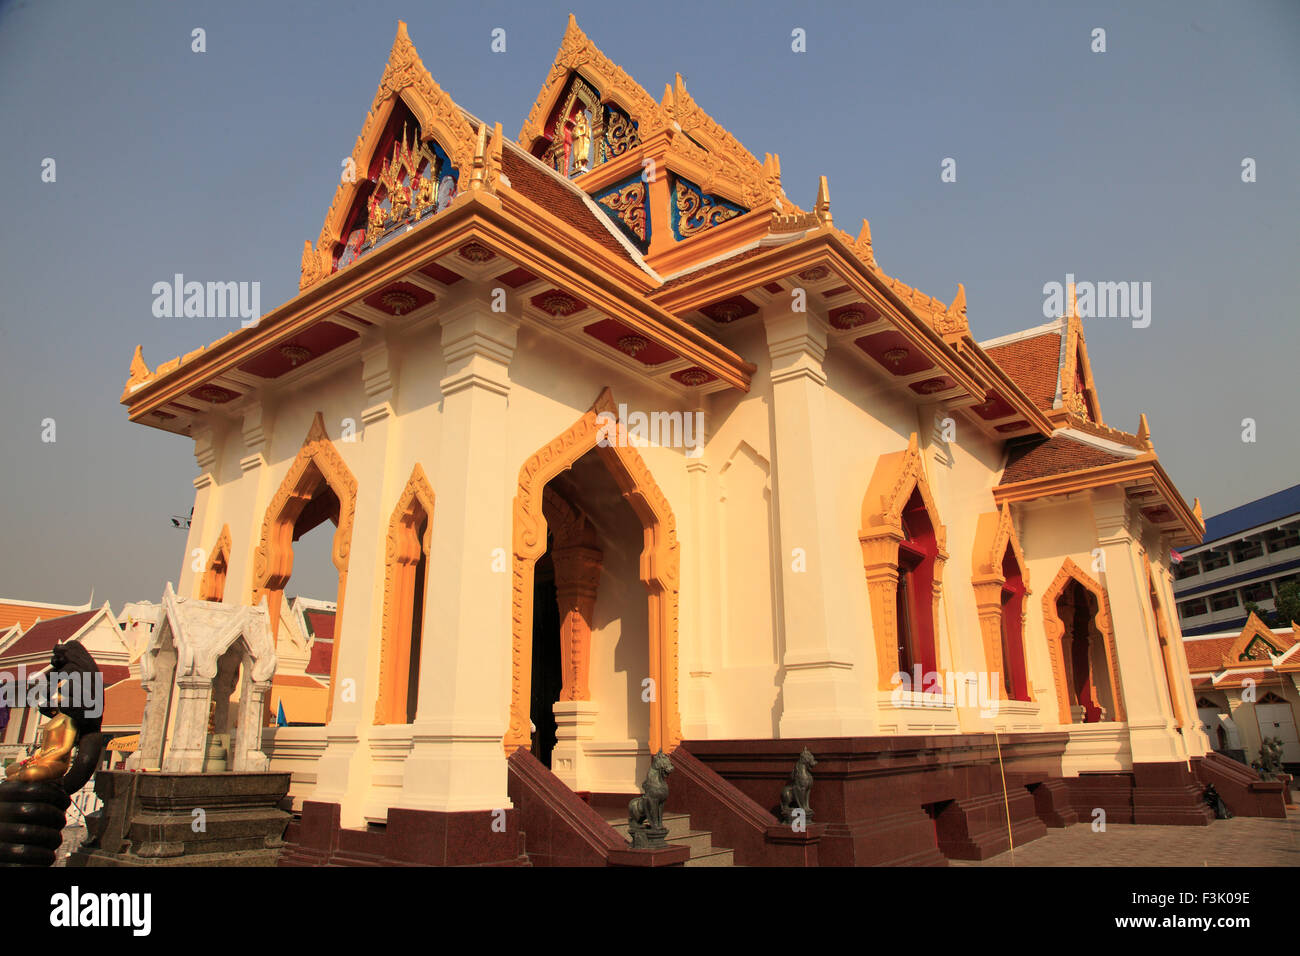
point(322, 624)
point(1033, 364)
point(124, 704)
point(1207, 654)
point(43, 636)
point(1058, 455)
point(546, 190)
point(26, 615)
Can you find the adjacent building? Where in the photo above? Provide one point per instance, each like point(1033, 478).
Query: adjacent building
point(1248, 553)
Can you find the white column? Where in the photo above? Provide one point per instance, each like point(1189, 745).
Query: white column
point(821, 694)
point(344, 769)
point(1141, 680)
point(204, 526)
point(457, 760)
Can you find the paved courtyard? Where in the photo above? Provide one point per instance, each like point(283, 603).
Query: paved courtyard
point(1241, 841)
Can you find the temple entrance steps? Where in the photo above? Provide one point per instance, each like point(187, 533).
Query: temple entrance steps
point(680, 833)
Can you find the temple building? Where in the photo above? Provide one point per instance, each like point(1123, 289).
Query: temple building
point(615, 450)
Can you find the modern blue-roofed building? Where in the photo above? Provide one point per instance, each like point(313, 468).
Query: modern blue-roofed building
point(1248, 553)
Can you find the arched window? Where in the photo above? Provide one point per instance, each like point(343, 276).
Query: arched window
point(903, 554)
point(1166, 647)
point(1011, 621)
point(1001, 585)
point(409, 538)
point(212, 586)
point(916, 556)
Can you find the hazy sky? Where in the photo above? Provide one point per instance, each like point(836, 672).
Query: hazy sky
point(1115, 166)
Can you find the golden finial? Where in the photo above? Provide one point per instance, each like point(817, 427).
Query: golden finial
point(863, 244)
point(1144, 433)
point(1196, 510)
point(823, 205)
point(958, 306)
point(139, 370)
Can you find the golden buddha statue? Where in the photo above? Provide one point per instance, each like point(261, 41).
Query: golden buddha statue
point(427, 196)
point(52, 761)
point(581, 144)
point(375, 222)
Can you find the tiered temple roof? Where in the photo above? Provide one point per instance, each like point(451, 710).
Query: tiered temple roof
point(643, 231)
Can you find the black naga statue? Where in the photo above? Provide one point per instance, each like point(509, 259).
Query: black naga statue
point(37, 791)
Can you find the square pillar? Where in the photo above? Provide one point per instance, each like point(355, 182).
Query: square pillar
point(821, 694)
point(344, 768)
point(457, 760)
point(1137, 647)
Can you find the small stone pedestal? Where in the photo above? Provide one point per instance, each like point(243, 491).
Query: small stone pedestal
point(648, 838)
point(185, 819)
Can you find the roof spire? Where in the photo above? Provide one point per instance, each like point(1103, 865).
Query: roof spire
point(1196, 510)
point(863, 244)
point(1144, 433)
point(1071, 302)
point(823, 205)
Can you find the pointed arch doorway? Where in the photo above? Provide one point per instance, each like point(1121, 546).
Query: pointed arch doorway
point(658, 569)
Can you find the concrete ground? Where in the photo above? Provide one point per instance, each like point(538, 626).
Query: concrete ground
point(1241, 841)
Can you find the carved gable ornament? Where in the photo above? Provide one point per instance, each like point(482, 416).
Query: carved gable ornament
point(420, 175)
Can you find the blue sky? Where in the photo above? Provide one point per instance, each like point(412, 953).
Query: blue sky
point(1115, 166)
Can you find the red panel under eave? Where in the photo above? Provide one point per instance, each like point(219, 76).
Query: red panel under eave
point(435, 271)
point(516, 277)
point(321, 338)
point(993, 407)
point(609, 331)
point(877, 345)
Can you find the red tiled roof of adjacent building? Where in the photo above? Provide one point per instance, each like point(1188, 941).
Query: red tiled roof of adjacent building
point(322, 624)
point(1057, 455)
point(42, 637)
point(25, 615)
point(124, 704)
point(322, 648)
point(1033, 364)
point(1207, 654)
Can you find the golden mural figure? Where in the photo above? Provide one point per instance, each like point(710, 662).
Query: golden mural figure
point(581, 144)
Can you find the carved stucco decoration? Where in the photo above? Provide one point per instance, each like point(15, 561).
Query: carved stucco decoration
point(317, 464)
point(1054, 628)
point(212, 584)
point(660, 567)
point(402, 552)
point(952, 321)
point(895, 477)
point(578, 54)
point(405, 77)
point(995, 533)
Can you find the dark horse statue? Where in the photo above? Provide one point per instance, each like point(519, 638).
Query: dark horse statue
point(37, 791)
